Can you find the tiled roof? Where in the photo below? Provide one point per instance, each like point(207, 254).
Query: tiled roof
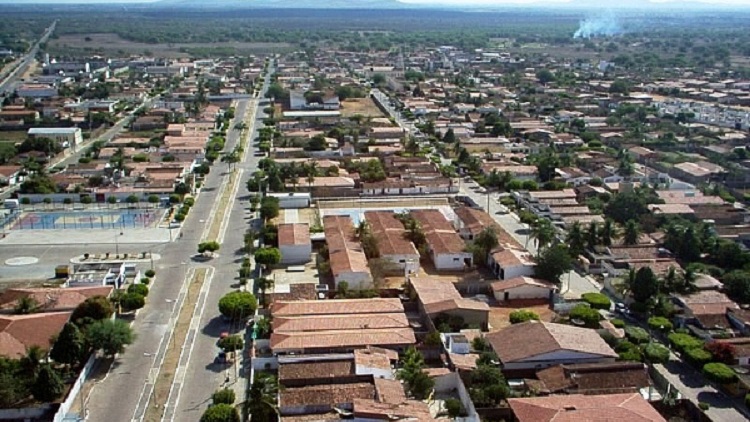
point(432, 220)
point(512, 257)
point(408, 410)
point(595, 378)
point(281, 342)
point(345, 251)
point(19, 332)
point(514, 282)
point(476, 220)
point(336, 307)
point(326, 395)
point(316, 370)
point(389, 390)
point(389, 233)
point(440, 296)
point(445, 242)
point(590, 408)
point(529, 339)
point(372, 358)
point(53, 299)
point(339, 322)
point(294, 234)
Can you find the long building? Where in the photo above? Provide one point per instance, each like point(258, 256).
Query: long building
point(346, 255)
point(392, 244)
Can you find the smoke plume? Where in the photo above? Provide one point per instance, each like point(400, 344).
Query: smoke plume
point(599, 26)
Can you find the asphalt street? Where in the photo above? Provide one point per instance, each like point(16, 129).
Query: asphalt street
point(9, 83)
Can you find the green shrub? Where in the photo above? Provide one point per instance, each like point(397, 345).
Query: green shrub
point(698, 356)
point(618, 323)
point(660, 324)
point(179, 218)
point(132, 301)
point(597, 300)
point(629, 351)
point(225, 396)
point(719, 373)
point(141, 289)
point(704, 406)
point(747, 400)
point(245, 272)
point(683, 342)
point(145, 280)
point(453, 407)
point(637, 334)
point(150, 273)
point(584, 313)
point(189, 202)
point(523, 315)
point(231, 343)
point(656, 353)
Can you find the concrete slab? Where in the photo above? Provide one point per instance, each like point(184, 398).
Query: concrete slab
point(90, 236)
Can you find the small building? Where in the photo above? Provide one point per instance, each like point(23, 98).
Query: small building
point(592, 378)
point(438, 297)
point(347, 257)
point(393, 246)
point(294, 243)
point(446, 248)
point(580, 407)
point(508, 263)
point(292, 199)
point(68, 137)
point(523, 288)
point(527, 347)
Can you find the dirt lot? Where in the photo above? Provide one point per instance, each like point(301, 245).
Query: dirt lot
point(500, 312)
point(362, 106)
point(113, 43)
point(12, 136)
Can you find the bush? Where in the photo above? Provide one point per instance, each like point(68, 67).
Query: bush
point(703, 405)
point(179, 218)
point(698, 356)
point(660, 324)
point(597, 300)
point(238, 305)
point(618, 323)
point(145, 281)
point(150, 273)
point(138, 288)
point(629, 351)
point(220, 413)
point(589, 316)
point(223, 396)
point(719, 373)
point(637, 334)
point(189, 202)
point(453, 407)
point(132, 301)
point(231, 343)
point(747, 400)
point(656, 353)
point(245, 272)
point(684, 342)
point(722, 352)
point(523, 315)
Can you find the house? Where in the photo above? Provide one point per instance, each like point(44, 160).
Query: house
point(339, 325)
point(51, 299)
point(471, 221)
point(592, 378)
point(741, 347)
point(389, 233)
point(706, 309)
point(436, 297)
point(68, 137)
point(510, 262)
point(347, 257)
point(294, 243)
point(527, 347)
point(445, 247)
point(20, 332)
point(9, 175)
point(523, 288)
point(589, 408)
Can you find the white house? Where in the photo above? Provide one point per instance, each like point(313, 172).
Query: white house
point(534, 345)
point(507, 263)
point(294, 243)
point(522, 288)
point(389, 233)
point(445, 246)
point(68, 137)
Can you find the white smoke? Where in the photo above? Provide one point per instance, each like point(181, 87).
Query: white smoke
point(599, 26)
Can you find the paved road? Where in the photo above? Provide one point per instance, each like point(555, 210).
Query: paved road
point(122, 392)
point(202, 376)
point(573, 284)
point(9, 83)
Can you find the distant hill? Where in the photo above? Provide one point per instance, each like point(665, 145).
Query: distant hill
point(286, 4)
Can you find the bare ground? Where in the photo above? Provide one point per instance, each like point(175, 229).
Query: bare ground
point(362, 106)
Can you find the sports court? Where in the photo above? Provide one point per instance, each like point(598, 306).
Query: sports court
point(102, 219)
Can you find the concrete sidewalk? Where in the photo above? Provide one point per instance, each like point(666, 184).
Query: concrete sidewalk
point(90, 236)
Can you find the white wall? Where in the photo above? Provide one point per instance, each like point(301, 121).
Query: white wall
point(449, 262)
point(375, 372)
point(295, 254)
point(524, 292)
point(411, 262)
point(356, 280)
point(518, 271)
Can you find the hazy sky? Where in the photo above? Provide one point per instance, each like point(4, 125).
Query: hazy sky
point(604, 3)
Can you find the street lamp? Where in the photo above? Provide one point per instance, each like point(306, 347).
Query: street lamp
point(117, 243)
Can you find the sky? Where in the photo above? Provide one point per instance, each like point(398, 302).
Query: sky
point(615, 3)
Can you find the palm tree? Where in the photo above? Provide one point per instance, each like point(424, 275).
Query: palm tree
point(26, 305)
point(631, 233)
point(608, 232)
point(33, 359)
point(263, 284)
point(311, 170)
point(575, 239)
point(412, 146)
point(486, 241)
point(688, 281)
point(262, 398)
point(592, 235)
point(543, 233)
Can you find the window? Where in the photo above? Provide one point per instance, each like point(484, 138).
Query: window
point(402, 261)
point(456, 259)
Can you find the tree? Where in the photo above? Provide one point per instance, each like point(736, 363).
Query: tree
point(631, 233)
point(449, 137)
point(588, 315)
point(737, 285)
point(576, 240)
point(453, 407)
point(221, 413)
point(25, 305)
point(417, 383)
point(238, 305)
point(378, 79)
point(486, 241)
point(109, 336)
point(32, 360)
point(619, 86)
point(656, 353)
point(261, 402)
point(140, 289)
point(545, 76)
point(70, 346)
point(263, 284)
point(719, 373)
point(92, 309)
point(487, 386)
point(660, 323)
point(597, 300)
point(626, 206)
point(722, 352)
point(231, 343)
point(608, 233)
point(269, 207)
point(546, 164)
point(543, 232)
point(209, 246)
point(132, 199)
point(645, 285)
point(637, 335)
point(132, 301)
point(223, 396)
point(553, 262)
point(267, 256)
point(48, 385)
point(523, 315)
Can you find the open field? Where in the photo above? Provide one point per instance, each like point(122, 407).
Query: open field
point(362, 106)
point(112, 43)
point(12, 136)
point(500, 313)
